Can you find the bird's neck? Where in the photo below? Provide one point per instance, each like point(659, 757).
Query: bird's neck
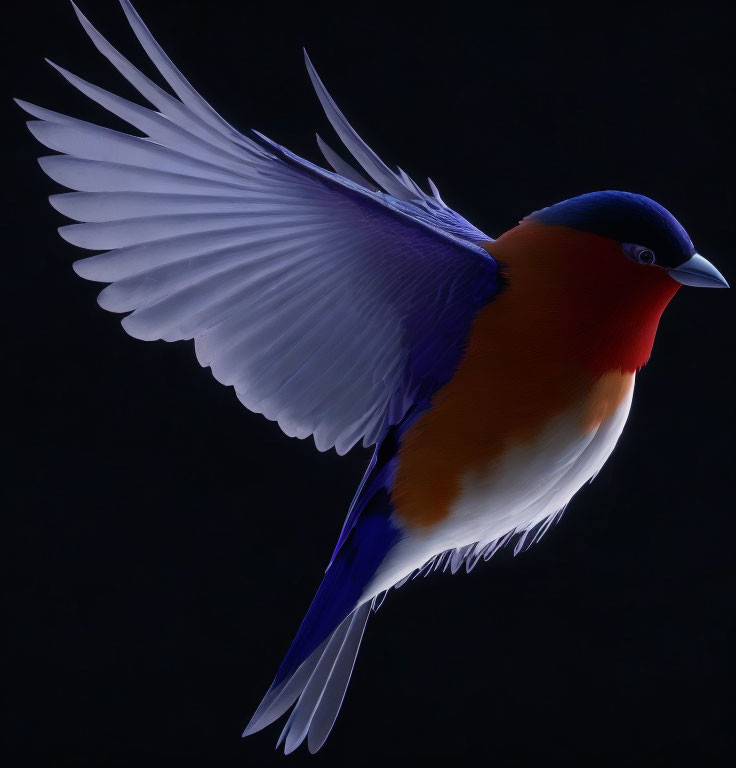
point(576, 299)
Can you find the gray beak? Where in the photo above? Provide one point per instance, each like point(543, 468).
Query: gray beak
point(699, 272)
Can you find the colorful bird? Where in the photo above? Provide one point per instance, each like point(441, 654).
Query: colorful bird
point(493, 377)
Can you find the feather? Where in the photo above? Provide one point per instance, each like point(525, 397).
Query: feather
point(366, 157)
point(333, 695)
point(341, 166)
point(120, 206)
point(279, 270)
point(179, 113)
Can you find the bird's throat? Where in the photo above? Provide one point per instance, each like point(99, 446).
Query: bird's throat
point(575, 299)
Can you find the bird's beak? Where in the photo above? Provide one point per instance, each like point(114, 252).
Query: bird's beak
point(699, 272)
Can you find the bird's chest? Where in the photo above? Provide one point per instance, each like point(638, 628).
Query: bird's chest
point(517, 449)
point(512, 484)
point(526, 481)
point(512, 436)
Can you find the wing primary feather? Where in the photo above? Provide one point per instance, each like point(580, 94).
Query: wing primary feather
point(366, 157)
point(340, 166)
point(94, 142)
point(148, 229)
point(153, 124)
point(102, 176)
point(163, 101)
point(179, 84)
point(99, 207)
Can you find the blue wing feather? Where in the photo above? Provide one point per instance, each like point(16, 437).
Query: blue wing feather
point(331, 307)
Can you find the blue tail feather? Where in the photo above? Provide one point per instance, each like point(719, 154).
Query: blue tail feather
point(361, 553)
point(316, 670)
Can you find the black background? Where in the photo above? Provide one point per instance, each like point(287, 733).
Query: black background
point(164, 543)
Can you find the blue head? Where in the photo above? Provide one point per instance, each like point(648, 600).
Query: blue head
point(648, 232)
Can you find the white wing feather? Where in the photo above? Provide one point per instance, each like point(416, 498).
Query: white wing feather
point(328, 305)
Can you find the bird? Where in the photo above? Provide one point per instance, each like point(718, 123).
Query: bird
point(491, 376)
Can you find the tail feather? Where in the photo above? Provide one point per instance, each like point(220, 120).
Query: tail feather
point(318, 687)
point(278, 699)
point(295, 730)
point(316, 710)
point(333, 694)
point(316, 670)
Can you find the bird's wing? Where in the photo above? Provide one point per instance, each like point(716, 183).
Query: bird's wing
point(330, 306)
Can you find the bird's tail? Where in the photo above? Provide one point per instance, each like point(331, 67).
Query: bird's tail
point(317, 686)
point(316, 670)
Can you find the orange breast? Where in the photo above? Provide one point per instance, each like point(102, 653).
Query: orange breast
point(604, 398)
point(516, 375)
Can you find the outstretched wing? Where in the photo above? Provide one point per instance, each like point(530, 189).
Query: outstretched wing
point(329, 305)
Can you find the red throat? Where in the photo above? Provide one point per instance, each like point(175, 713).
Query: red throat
point(595, 307)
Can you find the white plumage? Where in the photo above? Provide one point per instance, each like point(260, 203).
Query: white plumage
point(521, 496)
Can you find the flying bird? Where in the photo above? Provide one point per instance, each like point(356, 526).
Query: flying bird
point(493, 377)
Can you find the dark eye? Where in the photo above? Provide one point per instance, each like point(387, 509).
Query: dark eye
point(639, 253)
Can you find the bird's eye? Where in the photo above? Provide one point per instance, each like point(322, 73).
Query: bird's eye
point(639, 253)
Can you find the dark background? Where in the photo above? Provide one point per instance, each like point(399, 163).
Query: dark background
point(164, 543)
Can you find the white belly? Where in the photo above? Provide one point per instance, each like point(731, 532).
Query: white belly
point(528, 485)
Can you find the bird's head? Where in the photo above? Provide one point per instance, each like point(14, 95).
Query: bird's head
point(648, 233)
point(603, 266)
